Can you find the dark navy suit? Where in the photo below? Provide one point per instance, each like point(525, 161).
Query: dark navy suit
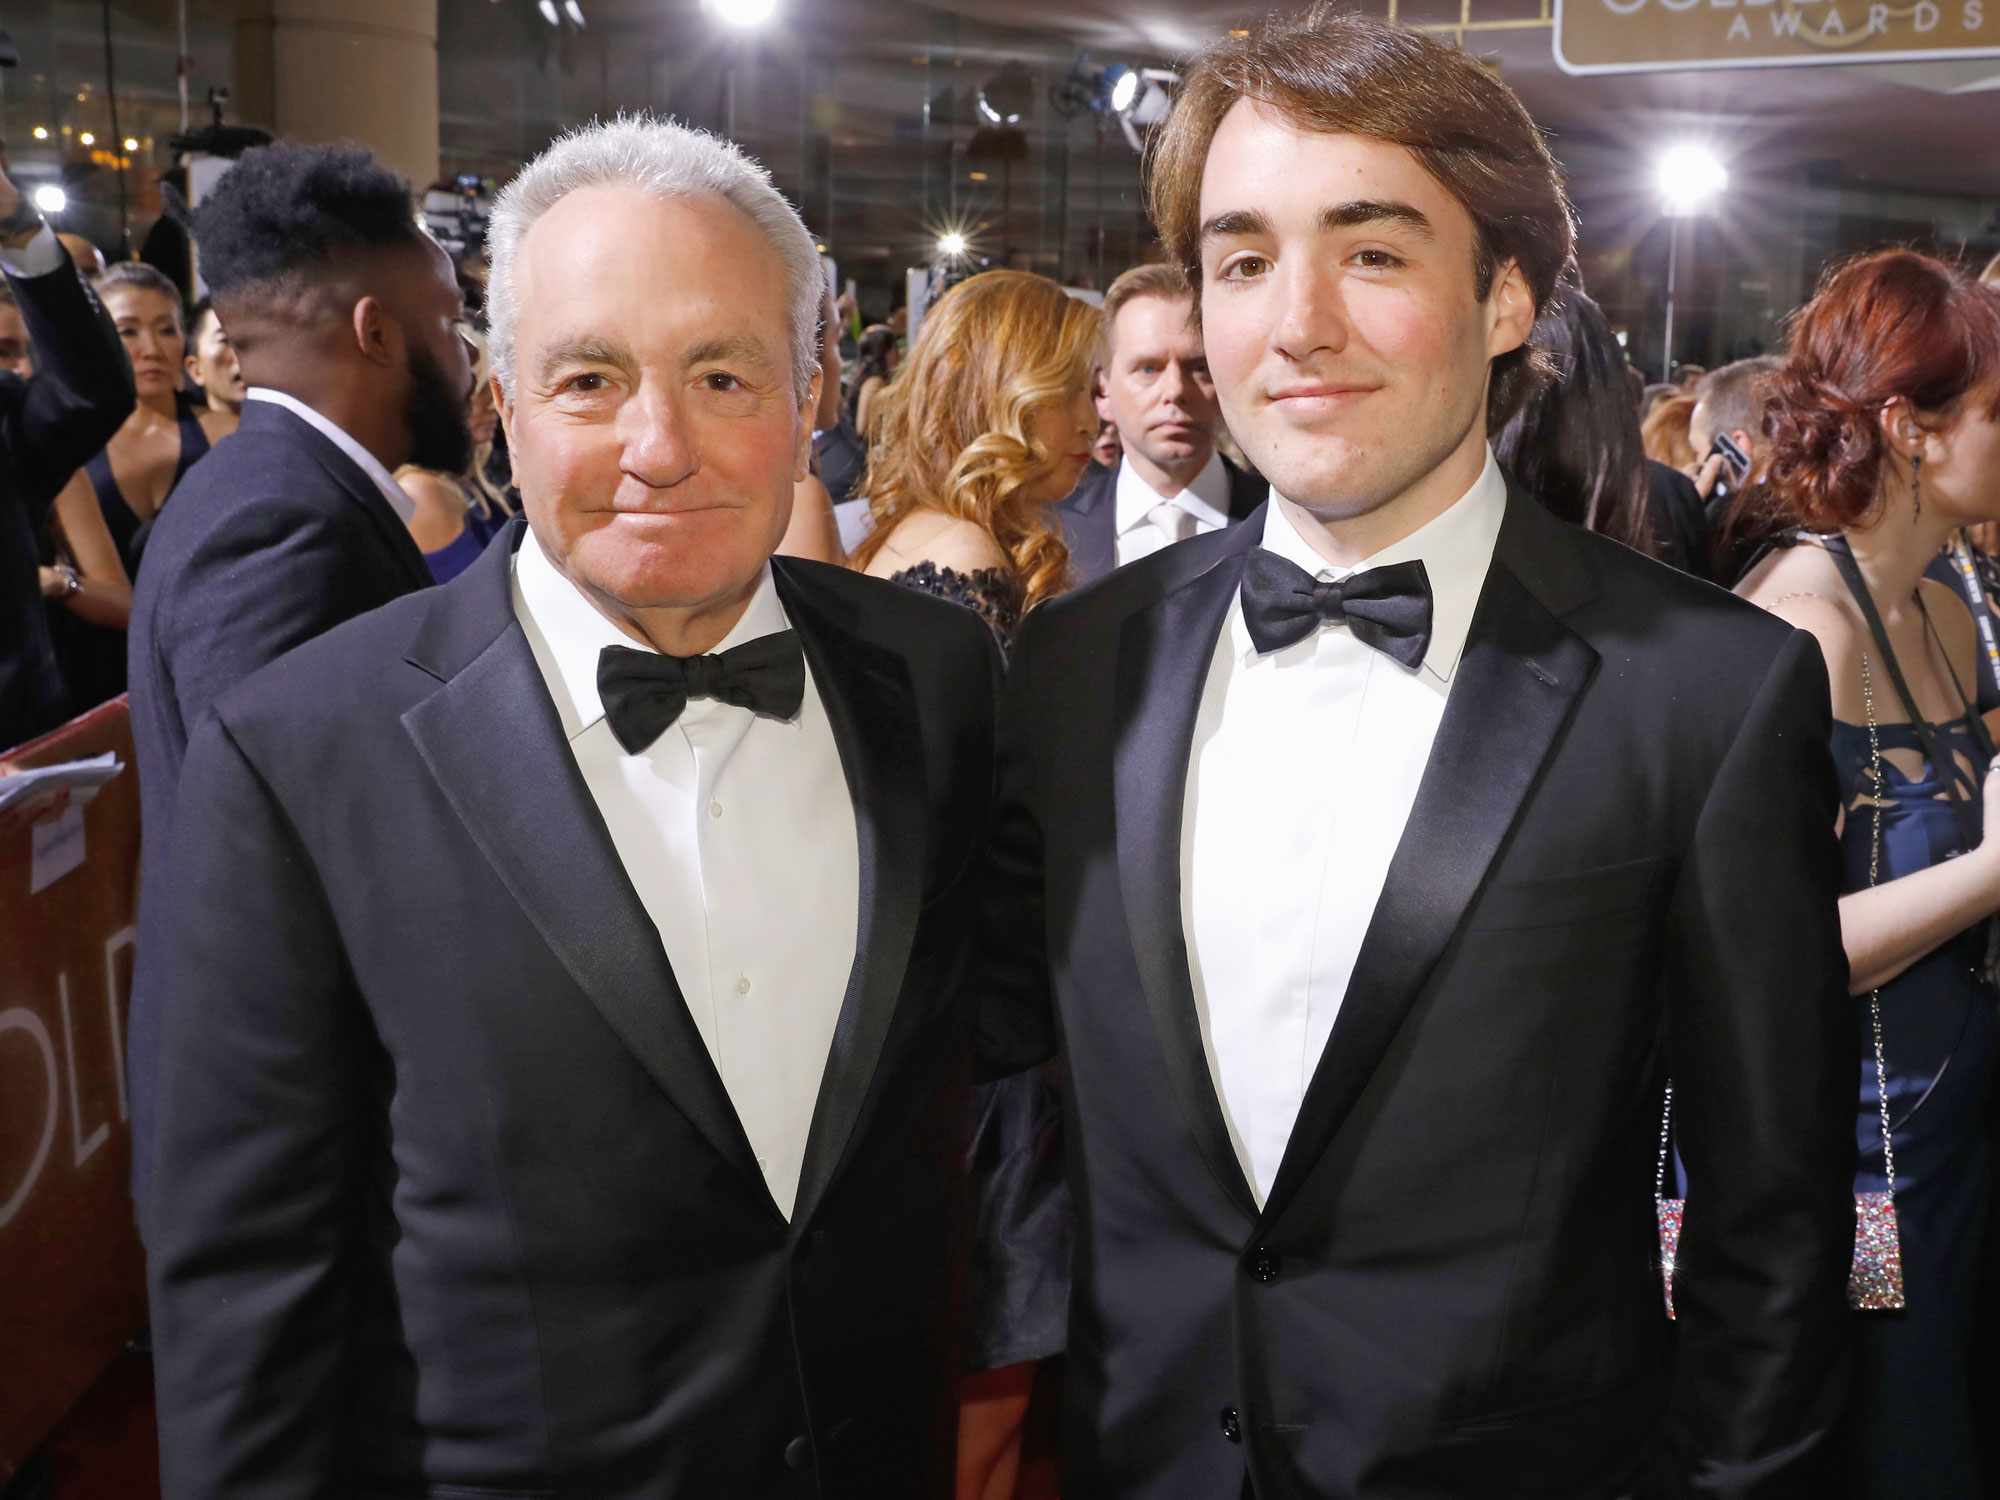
point(274, 538)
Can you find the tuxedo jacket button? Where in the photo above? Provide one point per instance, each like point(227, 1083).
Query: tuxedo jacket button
point(798, 1455)
point(1264, 1264)
point(1232, 1424)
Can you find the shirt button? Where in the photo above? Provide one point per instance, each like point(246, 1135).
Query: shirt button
point(743, 985)
point(715, 809)
point(1264, 1265)
point(1232, 1425)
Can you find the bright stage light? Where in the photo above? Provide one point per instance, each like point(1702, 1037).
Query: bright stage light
point(88, 139)
point(952, 243)
point(51, 199)
point(742, 14)
point(574, 11)
point(548, 10)
point(1688, 177)
point(41, 132)
point(1124, 90)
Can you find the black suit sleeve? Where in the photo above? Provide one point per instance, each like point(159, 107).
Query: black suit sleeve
point(1761, 1045)
point(1016, 1026)
point(79, 394)
point(270, 577)
point(263, 1053)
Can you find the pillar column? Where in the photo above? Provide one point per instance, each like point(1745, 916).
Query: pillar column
point(344, 70)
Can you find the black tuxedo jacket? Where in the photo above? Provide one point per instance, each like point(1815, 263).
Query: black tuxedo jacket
point(450, 1199)
point(1090, 516)
point(50, 425)
point(273, 538)
point(1620, 866)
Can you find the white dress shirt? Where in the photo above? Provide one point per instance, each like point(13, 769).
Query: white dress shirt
point(1144, 527)
point(1304, 768)
point(738, 833)
point(398, 498)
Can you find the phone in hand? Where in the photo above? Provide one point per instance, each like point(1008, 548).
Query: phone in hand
point(1735, 467)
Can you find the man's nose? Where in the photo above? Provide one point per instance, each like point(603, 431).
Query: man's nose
point(1309, 316)
point(659, 449)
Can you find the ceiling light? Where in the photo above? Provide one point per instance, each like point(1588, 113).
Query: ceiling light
point(41, 132)
point(1124, 90)
point(951, 243)
point(742, 14)
point(131, 143)
point(548, 10)
point(51, 199)
point(88, 139)
point(574, 12)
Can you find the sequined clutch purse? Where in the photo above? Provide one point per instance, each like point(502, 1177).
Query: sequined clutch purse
point(1875, 1279)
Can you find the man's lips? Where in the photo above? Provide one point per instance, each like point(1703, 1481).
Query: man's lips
point(1318, 391)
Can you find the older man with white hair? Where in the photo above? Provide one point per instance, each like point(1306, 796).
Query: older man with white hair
point(562, 1091)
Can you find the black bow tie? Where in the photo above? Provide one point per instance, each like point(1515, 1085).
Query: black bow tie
point(644, 691)
point(1387, 608)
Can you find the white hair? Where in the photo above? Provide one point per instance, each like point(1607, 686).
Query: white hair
point(667, 160)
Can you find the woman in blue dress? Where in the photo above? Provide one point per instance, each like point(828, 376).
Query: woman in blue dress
point(1882, 437)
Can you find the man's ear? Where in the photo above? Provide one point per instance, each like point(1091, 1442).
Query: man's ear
point(802, 459)
point(376, 334)
point(1098, 396)
point(504, 409)
point(1511, 309)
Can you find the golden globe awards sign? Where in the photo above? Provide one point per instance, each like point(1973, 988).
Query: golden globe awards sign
point(1641, 36)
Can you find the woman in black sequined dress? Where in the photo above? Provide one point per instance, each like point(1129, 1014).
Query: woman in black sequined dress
point(988, 424)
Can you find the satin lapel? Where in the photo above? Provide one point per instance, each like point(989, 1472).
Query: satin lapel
point(1164, 653)
point(873, 712)
point(1517, 684)
point(493, 740)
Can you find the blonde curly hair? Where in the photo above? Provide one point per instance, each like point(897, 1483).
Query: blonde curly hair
point(953, 436)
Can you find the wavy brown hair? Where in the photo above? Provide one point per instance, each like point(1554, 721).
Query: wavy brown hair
point(953, 436)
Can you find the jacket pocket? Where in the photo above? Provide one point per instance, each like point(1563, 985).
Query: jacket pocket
point(1581, 896)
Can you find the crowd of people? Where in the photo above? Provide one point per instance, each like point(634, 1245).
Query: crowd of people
point(727, 914)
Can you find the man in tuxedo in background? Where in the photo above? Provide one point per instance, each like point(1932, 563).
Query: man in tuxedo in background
point(1387, 853)
point(562, 1086)
point(1155, 388)
point(345, 319)
point(51, 421)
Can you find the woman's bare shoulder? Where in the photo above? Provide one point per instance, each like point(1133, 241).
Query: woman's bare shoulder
point(941, 540)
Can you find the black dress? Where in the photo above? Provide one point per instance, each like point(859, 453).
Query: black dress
point(92, 657)
point(1017, 1292)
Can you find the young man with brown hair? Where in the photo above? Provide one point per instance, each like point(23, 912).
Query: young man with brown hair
point(1384, 856)
point(1169, 482)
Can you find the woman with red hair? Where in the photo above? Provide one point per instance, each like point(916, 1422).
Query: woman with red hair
point(1882, 437)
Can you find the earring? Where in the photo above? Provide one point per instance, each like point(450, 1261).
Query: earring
point(1916, 488)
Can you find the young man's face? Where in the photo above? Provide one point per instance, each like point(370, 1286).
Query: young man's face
point(1343, 332)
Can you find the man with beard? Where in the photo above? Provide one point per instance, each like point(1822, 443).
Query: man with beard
point(345, 316)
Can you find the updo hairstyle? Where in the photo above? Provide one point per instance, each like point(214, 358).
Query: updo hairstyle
point(1882, 325)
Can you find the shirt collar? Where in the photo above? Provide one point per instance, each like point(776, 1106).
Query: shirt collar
point(399, 500)
point(1206, 497)
point(1456, 549)
point(570, 633)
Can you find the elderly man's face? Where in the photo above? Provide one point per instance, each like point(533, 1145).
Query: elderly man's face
point(655, 429)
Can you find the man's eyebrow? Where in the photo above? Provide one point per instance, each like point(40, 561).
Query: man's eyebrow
point(584, 349)
point(724, 348)
point(1235, 223)
point(1373, 211)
